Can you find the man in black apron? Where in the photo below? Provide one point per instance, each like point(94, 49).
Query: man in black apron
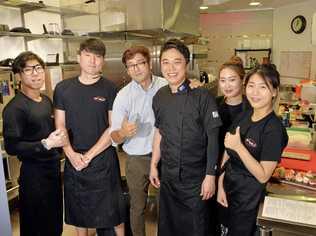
point(186, 143)
point(93, 194)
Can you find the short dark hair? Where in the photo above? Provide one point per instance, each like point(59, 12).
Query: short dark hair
point(93, 45)
point(132, 51)
point(268, 72)
point(19, 62)
point(179, 46)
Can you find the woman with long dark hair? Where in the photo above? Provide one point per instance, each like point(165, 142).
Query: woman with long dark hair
point(230, 105)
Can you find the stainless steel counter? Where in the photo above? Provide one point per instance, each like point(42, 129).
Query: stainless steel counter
point(269, 226)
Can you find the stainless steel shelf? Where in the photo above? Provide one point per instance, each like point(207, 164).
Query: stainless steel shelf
point(66, 12)
point(143, 34)
point(29, 36)
point(23, 5)
point(33, 6)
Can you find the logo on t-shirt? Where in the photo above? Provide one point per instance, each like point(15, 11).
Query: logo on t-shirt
point(99, 99)
point(250, 142)
point(215, 114)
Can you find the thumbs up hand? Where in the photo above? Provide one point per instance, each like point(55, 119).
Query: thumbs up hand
point(233, 141)
point(128, 128)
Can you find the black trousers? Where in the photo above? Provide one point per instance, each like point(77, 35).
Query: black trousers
point(106, 232)
point(40, 199)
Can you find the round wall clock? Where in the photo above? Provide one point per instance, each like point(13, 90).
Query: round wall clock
point(298, 24)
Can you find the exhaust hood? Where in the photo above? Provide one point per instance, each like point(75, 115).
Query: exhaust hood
point(142, 18)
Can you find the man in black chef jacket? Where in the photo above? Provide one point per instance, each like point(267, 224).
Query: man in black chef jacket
point(186, 143)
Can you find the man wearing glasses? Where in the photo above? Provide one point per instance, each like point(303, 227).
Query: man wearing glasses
point(132, 125)
point(28, 131)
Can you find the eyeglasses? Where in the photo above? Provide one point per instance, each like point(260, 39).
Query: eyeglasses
point(29, 70)
point(138, 65)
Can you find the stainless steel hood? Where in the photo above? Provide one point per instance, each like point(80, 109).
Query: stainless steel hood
point(143, 18)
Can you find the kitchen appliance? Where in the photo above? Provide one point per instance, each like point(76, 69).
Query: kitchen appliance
point(53, 29)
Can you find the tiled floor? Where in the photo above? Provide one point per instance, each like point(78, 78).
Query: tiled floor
point(151, 212)
point(70, 231)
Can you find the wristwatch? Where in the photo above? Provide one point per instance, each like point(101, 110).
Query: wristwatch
point(44, 143)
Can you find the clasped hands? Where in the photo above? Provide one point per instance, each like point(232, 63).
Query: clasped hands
point(79, 161)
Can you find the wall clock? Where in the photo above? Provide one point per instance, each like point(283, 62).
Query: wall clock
point(298, 24)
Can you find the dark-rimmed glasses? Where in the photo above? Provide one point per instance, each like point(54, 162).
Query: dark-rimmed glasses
point(138, 65)
point(29, 70)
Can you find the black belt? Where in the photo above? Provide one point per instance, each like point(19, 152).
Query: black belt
point(145, 155)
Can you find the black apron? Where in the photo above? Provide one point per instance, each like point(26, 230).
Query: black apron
point(181, 209)
point(244, 192)
point(40, 199)
point(220, 216)
point(93, 196)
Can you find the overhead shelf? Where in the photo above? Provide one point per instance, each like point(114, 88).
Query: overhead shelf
point(33, 6)
point(253, 50)
point(67, 12)
point(149, 34)
point(30, 36)
point(23, 5)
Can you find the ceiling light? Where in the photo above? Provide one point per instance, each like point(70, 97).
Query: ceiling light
point(203, 7)
point(214, 2)
point(254, 3)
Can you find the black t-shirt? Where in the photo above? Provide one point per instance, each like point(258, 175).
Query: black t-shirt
point(228, 113)
point(264, 139)
point(25, 124)
point(187, 121)
point(86, 109)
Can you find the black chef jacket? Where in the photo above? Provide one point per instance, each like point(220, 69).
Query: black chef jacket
point(188, 122)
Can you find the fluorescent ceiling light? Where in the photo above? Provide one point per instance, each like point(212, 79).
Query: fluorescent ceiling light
point(214, 2)
point(251, 9)
point(254, 3)
point(203, 7)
